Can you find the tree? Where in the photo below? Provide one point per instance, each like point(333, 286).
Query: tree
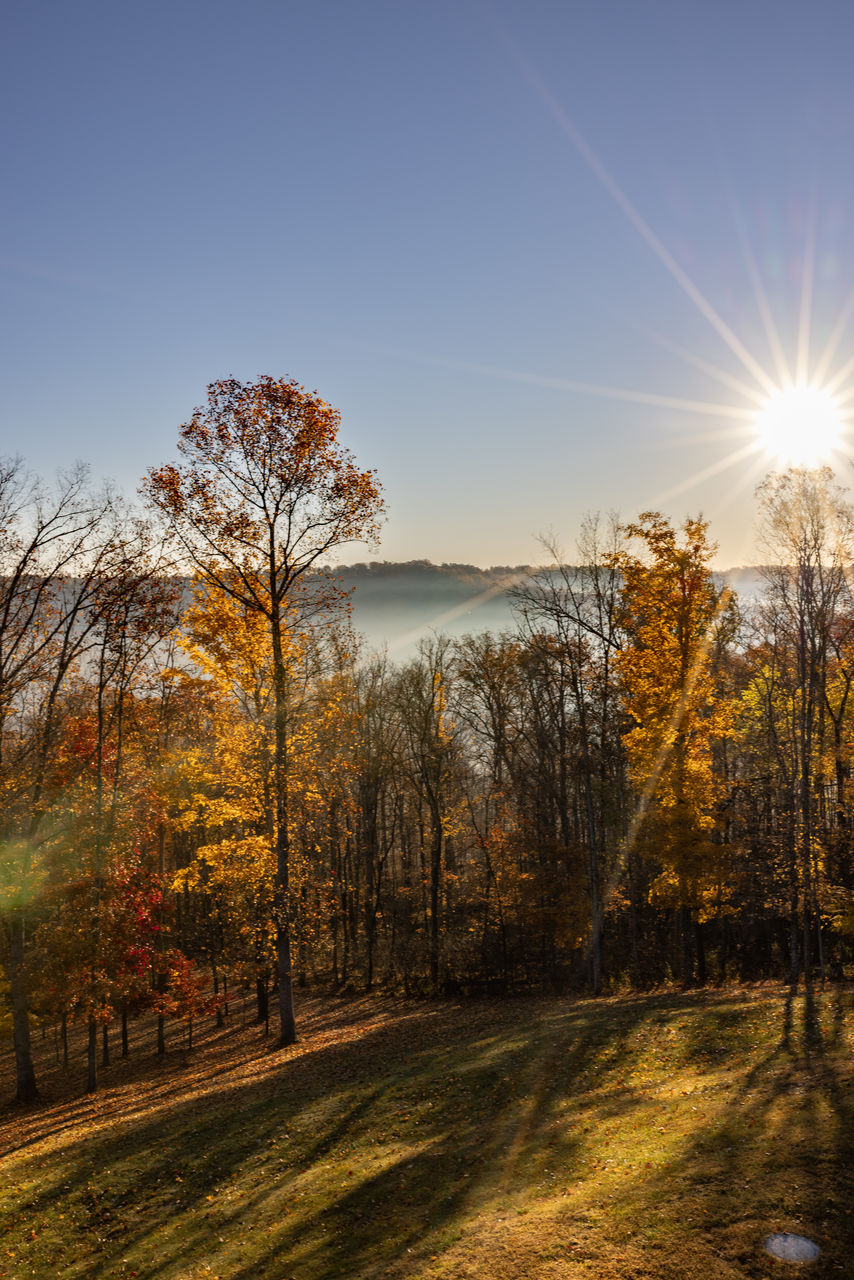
point(807, 527)
point(227, 811)
point(576, 608)
point(376, 758)
point(266, 492)
point(431, 747)
point(55, 549)
point(673, 616)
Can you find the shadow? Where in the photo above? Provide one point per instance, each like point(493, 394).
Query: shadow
point(786, 1036)
point(785, 1143)
point(397, 1135)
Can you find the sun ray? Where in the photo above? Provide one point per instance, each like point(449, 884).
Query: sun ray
point(846, 449)
point(450, 615)
point(720, 375)
point(805, 315)
point(703, 407)
point(749, 478)
point(844, 398)
point(639, 222)
point(723, 464)
point(839, 377)
point(771, 331)
point(709, 437)
point(668, 745)
point(821, 369)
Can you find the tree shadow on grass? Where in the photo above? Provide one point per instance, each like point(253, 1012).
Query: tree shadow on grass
point(781, 1157)
point(368, 1158)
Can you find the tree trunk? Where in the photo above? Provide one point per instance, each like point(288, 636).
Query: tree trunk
point(723, 954)
point(25, 1075)
point(633, 923)
point(262, 1000)
point(435, 886)
point(370, 845)
point(220, 1018)
point(807, 940)
point(161, 977)
point(592, 848)
point(701, 953)
point(687, 951)
point(794, 951)
point(91, 1046)
point(284, 972)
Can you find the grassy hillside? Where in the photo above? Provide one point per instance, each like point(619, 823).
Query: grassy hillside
point(649, 1136)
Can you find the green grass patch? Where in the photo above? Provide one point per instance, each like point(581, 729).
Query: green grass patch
point(649, 1136)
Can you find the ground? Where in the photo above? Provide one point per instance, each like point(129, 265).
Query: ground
point(651, 1137)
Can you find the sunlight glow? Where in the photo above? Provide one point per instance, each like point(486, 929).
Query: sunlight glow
point(800, 425)
point(802, 417)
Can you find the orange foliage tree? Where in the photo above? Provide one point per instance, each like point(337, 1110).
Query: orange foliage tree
point(266, 492)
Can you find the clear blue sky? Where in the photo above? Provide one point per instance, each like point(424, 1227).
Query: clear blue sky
point(387, 200)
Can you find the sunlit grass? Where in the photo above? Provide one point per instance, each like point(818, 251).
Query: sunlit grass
point(659, 1136)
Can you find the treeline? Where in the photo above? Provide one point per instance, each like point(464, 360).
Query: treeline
point(645, 781)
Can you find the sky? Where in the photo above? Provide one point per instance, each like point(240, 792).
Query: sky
point(540, 255)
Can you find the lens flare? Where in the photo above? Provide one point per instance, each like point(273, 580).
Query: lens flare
point(800, 425)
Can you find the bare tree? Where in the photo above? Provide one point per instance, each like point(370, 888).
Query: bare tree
point(576, 608)
point(807, 530)
point(53, 548)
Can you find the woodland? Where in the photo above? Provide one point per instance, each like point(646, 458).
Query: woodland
point(211, 789)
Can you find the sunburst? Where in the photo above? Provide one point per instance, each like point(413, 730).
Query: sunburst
point(796, 414)
point(800, 426)
point(799, 412)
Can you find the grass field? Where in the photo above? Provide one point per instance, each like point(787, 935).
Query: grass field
point(655, 1136)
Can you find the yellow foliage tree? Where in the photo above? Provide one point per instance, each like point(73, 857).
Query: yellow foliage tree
point(673, 618)
point(226, 782)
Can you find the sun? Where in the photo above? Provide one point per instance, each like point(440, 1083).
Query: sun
point(800, 425)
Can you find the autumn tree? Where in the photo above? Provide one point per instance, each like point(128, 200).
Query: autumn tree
point(570, 613)
point(673, 617)
point(227, 810)
point(94, 619)
point(55, 547)
point(490, 703)
point(265, 492)
point(807, 530)
point(134, 610)
point(377, 761)
point(430, 742)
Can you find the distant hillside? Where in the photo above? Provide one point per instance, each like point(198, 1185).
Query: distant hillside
point(394, 605)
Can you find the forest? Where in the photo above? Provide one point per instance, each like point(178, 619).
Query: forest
point(210, 785)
